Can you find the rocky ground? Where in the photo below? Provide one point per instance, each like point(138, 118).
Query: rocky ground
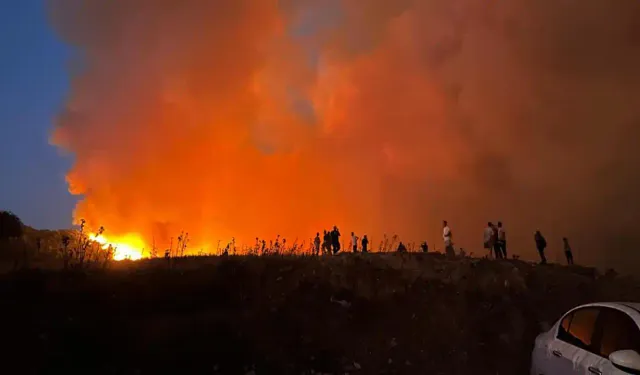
point(374, 314)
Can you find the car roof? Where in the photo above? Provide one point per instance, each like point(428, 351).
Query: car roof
point(630, 308)
point(616, 305)
point(633, 305)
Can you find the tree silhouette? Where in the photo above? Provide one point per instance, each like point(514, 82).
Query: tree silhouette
point(10, 225)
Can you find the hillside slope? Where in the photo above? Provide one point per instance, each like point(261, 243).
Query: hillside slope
point(374, 314)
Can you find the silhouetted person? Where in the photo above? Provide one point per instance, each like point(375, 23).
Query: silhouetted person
point(326, 244)
point(496, 246)
point(425, 247)
point(402, 248)
point(447, 236)
point(489, 239)
point(365, 244)
point(316, 244)
point(354, 242)
point(502, 240)
point(567, 251)
point(335, 240)
point(541, 244)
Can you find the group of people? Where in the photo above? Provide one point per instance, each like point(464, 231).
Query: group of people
point(541, 245)
point(330, 242)
point(495, 239)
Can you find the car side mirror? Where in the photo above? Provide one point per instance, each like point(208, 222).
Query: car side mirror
point(626, 360)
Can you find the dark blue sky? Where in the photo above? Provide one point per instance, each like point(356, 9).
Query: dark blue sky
point(33, 85)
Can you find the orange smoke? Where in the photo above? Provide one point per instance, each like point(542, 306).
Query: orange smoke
point(253, 118)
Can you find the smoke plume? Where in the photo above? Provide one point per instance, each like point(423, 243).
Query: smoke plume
point(252, 118)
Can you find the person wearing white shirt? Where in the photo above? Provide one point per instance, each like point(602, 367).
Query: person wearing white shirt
point(354, 242)
point(502, 240)
point(446, 236)
point(488, 238)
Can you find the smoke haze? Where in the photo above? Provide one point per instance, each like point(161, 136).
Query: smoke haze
point(254, 118)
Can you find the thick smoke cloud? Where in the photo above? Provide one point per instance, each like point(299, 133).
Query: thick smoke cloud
point(254, 118)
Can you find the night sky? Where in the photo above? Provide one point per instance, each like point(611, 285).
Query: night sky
point(33, 84)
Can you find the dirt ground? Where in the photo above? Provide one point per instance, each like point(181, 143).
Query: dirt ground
point(373, 314)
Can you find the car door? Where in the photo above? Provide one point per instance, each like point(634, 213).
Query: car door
point(573, 342)
point(616, 330)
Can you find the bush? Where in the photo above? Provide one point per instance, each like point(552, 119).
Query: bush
point(10, 225)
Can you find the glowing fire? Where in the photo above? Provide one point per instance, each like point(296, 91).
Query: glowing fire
point(129, 246)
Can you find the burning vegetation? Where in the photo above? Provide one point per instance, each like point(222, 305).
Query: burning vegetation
point(244, 118)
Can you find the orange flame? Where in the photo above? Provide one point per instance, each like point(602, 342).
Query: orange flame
point(129, 246)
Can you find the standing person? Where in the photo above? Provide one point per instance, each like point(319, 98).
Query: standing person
point(354, 242)
point(316, 244)
point(335, 239)
point(425, 247)
point(488, 239)
point(541, 244)
point(567, 251)
point(401, 248)
point(365, 243)
point(502, 240)
point(326, 244)
point(447, 237)
point(494, 241)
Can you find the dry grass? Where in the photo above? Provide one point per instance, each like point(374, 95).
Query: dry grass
point(73, 249)
point(53, 249)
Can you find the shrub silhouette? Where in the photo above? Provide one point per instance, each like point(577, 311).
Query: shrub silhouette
point(10, 226)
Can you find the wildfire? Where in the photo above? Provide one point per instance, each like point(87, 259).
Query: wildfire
point(129, 246)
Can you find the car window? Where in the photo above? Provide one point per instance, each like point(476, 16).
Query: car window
point(578, 327)
point(619, 332)
point(564, 325)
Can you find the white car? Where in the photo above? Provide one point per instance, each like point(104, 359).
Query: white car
point(593, 339)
